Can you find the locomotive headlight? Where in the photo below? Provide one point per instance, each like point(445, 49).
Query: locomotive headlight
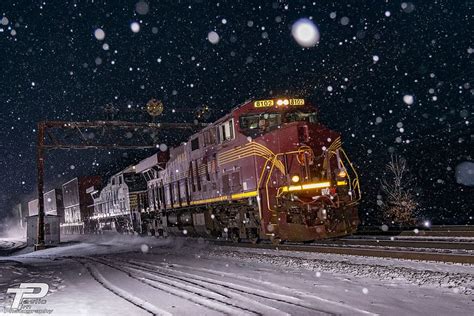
point(286, 102)
point(283, 102)
point(295, 178)
point(280, 102)
point(342, 173)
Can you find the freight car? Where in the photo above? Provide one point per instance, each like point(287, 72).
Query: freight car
point(267, 170)
point(53, 204)
point(77, 204)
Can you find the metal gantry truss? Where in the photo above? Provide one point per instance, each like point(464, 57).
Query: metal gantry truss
point(94, 135)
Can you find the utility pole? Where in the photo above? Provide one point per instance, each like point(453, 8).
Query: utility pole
point(40, 163)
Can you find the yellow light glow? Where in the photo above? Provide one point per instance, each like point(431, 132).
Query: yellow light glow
point(244, 195)
point(342, 182)
point(342, 174)
point(316, 185)
point(308, 186)
point(295, 178)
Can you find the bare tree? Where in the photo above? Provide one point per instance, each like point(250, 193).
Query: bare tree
point(397, 185)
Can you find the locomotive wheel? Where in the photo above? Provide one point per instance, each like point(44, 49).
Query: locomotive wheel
point(235, 236)
point(254, 240)
point(276, 240)
point(253, 236)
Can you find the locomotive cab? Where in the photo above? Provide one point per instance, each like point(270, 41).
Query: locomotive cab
point(309, 189)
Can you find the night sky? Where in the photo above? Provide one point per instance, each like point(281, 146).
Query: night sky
point(371, 56)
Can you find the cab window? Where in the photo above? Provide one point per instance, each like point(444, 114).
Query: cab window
point(299, 116)
point(226, 131)
point(253, 124)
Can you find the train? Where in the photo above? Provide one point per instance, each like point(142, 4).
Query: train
point(268, 170)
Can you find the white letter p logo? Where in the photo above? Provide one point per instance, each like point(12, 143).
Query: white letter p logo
point(27, 290)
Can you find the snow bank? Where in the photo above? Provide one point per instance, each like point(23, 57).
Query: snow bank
point(458, 277)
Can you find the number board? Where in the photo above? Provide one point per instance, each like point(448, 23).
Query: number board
point(263, 103)
point(296, 101)
point(270, 103)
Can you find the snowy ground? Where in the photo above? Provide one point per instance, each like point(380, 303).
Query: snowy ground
point(123, 275)
point(10, 245)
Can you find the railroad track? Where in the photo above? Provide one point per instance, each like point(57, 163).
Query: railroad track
point(434, 231)
point(440, 233)
point(206, 289)
point(366, 251)
point(384, 242)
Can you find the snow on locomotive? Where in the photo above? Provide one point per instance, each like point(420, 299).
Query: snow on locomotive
point(267, 170)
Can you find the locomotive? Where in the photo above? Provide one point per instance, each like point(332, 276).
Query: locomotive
point(267, 170)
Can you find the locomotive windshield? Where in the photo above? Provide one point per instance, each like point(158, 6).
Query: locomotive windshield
point(299, 116)
point(254, 124)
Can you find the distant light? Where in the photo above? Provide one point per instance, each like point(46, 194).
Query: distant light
point(427, 224)
point(345, 20)
point(163, 147)
point(142, 7)
point(305, 33)
point(408, 99)
point(213, 37)
point(375, 58)
point(144, 248)
point(135, 26)
point(465, 173)
point(387, 13)
point(99, 34)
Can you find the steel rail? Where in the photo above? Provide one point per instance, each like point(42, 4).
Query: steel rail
point(359, 251)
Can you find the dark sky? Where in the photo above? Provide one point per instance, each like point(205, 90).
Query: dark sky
point(371, 54)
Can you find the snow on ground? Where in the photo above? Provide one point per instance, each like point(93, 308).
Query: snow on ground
point(125, 275)
point(10, 245)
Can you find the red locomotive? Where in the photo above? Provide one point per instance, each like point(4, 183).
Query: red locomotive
point(267, 170)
